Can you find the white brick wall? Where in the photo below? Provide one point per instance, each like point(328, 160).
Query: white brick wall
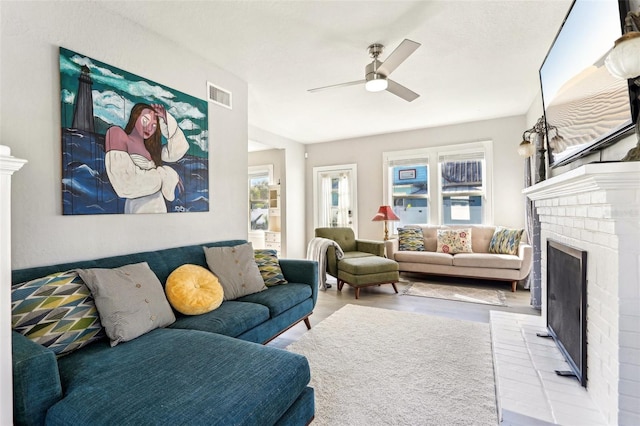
point(606, 223)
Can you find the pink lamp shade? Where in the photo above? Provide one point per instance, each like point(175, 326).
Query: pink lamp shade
point(385, 213)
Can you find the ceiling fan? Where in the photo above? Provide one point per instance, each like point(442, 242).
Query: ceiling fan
point(377, 73)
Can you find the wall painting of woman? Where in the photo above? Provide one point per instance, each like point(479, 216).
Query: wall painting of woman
point(129, 145)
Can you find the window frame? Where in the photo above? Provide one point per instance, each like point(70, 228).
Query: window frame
point(411, 160)
point(434, 180)
point(487, 211)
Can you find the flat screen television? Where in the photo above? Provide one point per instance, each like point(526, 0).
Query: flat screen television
point(589, 107)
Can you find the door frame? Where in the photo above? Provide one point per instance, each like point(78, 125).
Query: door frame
point(352, 169)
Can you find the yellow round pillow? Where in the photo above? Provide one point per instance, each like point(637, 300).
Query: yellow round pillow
point(193, 290)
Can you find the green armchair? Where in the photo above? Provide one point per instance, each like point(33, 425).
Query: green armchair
point(363, 263)
point(351, 247)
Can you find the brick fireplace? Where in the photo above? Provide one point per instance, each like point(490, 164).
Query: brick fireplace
point(596, 208)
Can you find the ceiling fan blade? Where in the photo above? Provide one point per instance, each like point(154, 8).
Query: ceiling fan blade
point(351, 83)
point(398, 56)
point(400, 90)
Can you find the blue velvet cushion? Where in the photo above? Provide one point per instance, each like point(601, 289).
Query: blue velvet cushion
point(232, 318)
point(280, 298)
point(187, 377)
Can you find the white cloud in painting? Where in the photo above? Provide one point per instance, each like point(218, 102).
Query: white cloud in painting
point(147, 91)
point(201, 139)
point(188, 124)
point(67, 97)
point(111, 107)
point(182, 110)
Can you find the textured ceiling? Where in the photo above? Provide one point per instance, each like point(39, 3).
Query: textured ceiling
point(479, 59)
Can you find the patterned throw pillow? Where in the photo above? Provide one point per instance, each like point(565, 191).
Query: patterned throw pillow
point(505, 241)
point(56, 311)
point(410, 239)
point(454, 241)
point(269, 267)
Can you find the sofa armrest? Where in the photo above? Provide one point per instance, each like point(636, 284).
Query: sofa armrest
point(392, 246)
point(525, 253)
point(36, 380)
point(301, 271)
point(371, 246)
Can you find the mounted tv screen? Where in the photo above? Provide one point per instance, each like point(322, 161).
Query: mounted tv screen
point(589, 107)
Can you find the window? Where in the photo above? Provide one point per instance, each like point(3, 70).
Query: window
point(462, 188)
point(259, 179)
point(441, 185)
point(410, 190)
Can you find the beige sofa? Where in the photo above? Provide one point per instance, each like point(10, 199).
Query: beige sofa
point(479, 264)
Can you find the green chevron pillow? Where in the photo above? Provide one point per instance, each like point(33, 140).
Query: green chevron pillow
point(410, 239)
point(505, 241)
point(56, 311)
point(269, 267)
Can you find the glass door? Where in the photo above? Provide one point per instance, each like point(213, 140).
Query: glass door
point(335, 196)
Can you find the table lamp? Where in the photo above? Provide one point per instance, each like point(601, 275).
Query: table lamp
point(386, 214)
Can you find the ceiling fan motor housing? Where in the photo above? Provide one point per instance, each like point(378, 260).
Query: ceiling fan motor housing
point(371, 71)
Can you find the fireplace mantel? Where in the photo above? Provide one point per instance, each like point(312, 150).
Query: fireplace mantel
point(596, 208)
point(588, 178)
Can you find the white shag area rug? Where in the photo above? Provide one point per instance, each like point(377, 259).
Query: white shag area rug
point(485, 296)
point(373, 366)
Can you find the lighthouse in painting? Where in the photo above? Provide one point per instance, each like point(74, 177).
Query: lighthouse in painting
point(83, 111)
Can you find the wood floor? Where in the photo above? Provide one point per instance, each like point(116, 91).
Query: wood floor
point(383, 296)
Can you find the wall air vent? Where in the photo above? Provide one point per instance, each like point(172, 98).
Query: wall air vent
point(219, 96)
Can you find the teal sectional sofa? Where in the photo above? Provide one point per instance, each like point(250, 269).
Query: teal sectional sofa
point(209, 369)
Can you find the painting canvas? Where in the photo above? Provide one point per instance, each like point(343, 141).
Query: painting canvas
point(129, 145)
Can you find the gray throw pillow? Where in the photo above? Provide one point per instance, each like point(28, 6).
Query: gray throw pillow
point(236, 270)
point(129, 299)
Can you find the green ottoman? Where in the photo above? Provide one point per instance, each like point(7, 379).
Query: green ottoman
point(361, 272)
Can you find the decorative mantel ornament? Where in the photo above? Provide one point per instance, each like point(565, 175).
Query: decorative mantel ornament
point(624, 62)
point(529, 144)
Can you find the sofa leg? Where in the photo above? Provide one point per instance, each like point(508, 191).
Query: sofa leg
point(394, 287)
point(357, 292)
point(340, 285)
point(513, 286)
point(307, 323)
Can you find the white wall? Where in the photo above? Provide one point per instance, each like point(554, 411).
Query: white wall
point(30, 34)
point(366, 152)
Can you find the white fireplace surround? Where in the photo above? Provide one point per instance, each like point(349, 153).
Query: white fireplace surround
point(596, 208)
point(8, 165)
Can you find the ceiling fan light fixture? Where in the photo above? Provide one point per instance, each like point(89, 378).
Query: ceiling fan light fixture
point(376, 84)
